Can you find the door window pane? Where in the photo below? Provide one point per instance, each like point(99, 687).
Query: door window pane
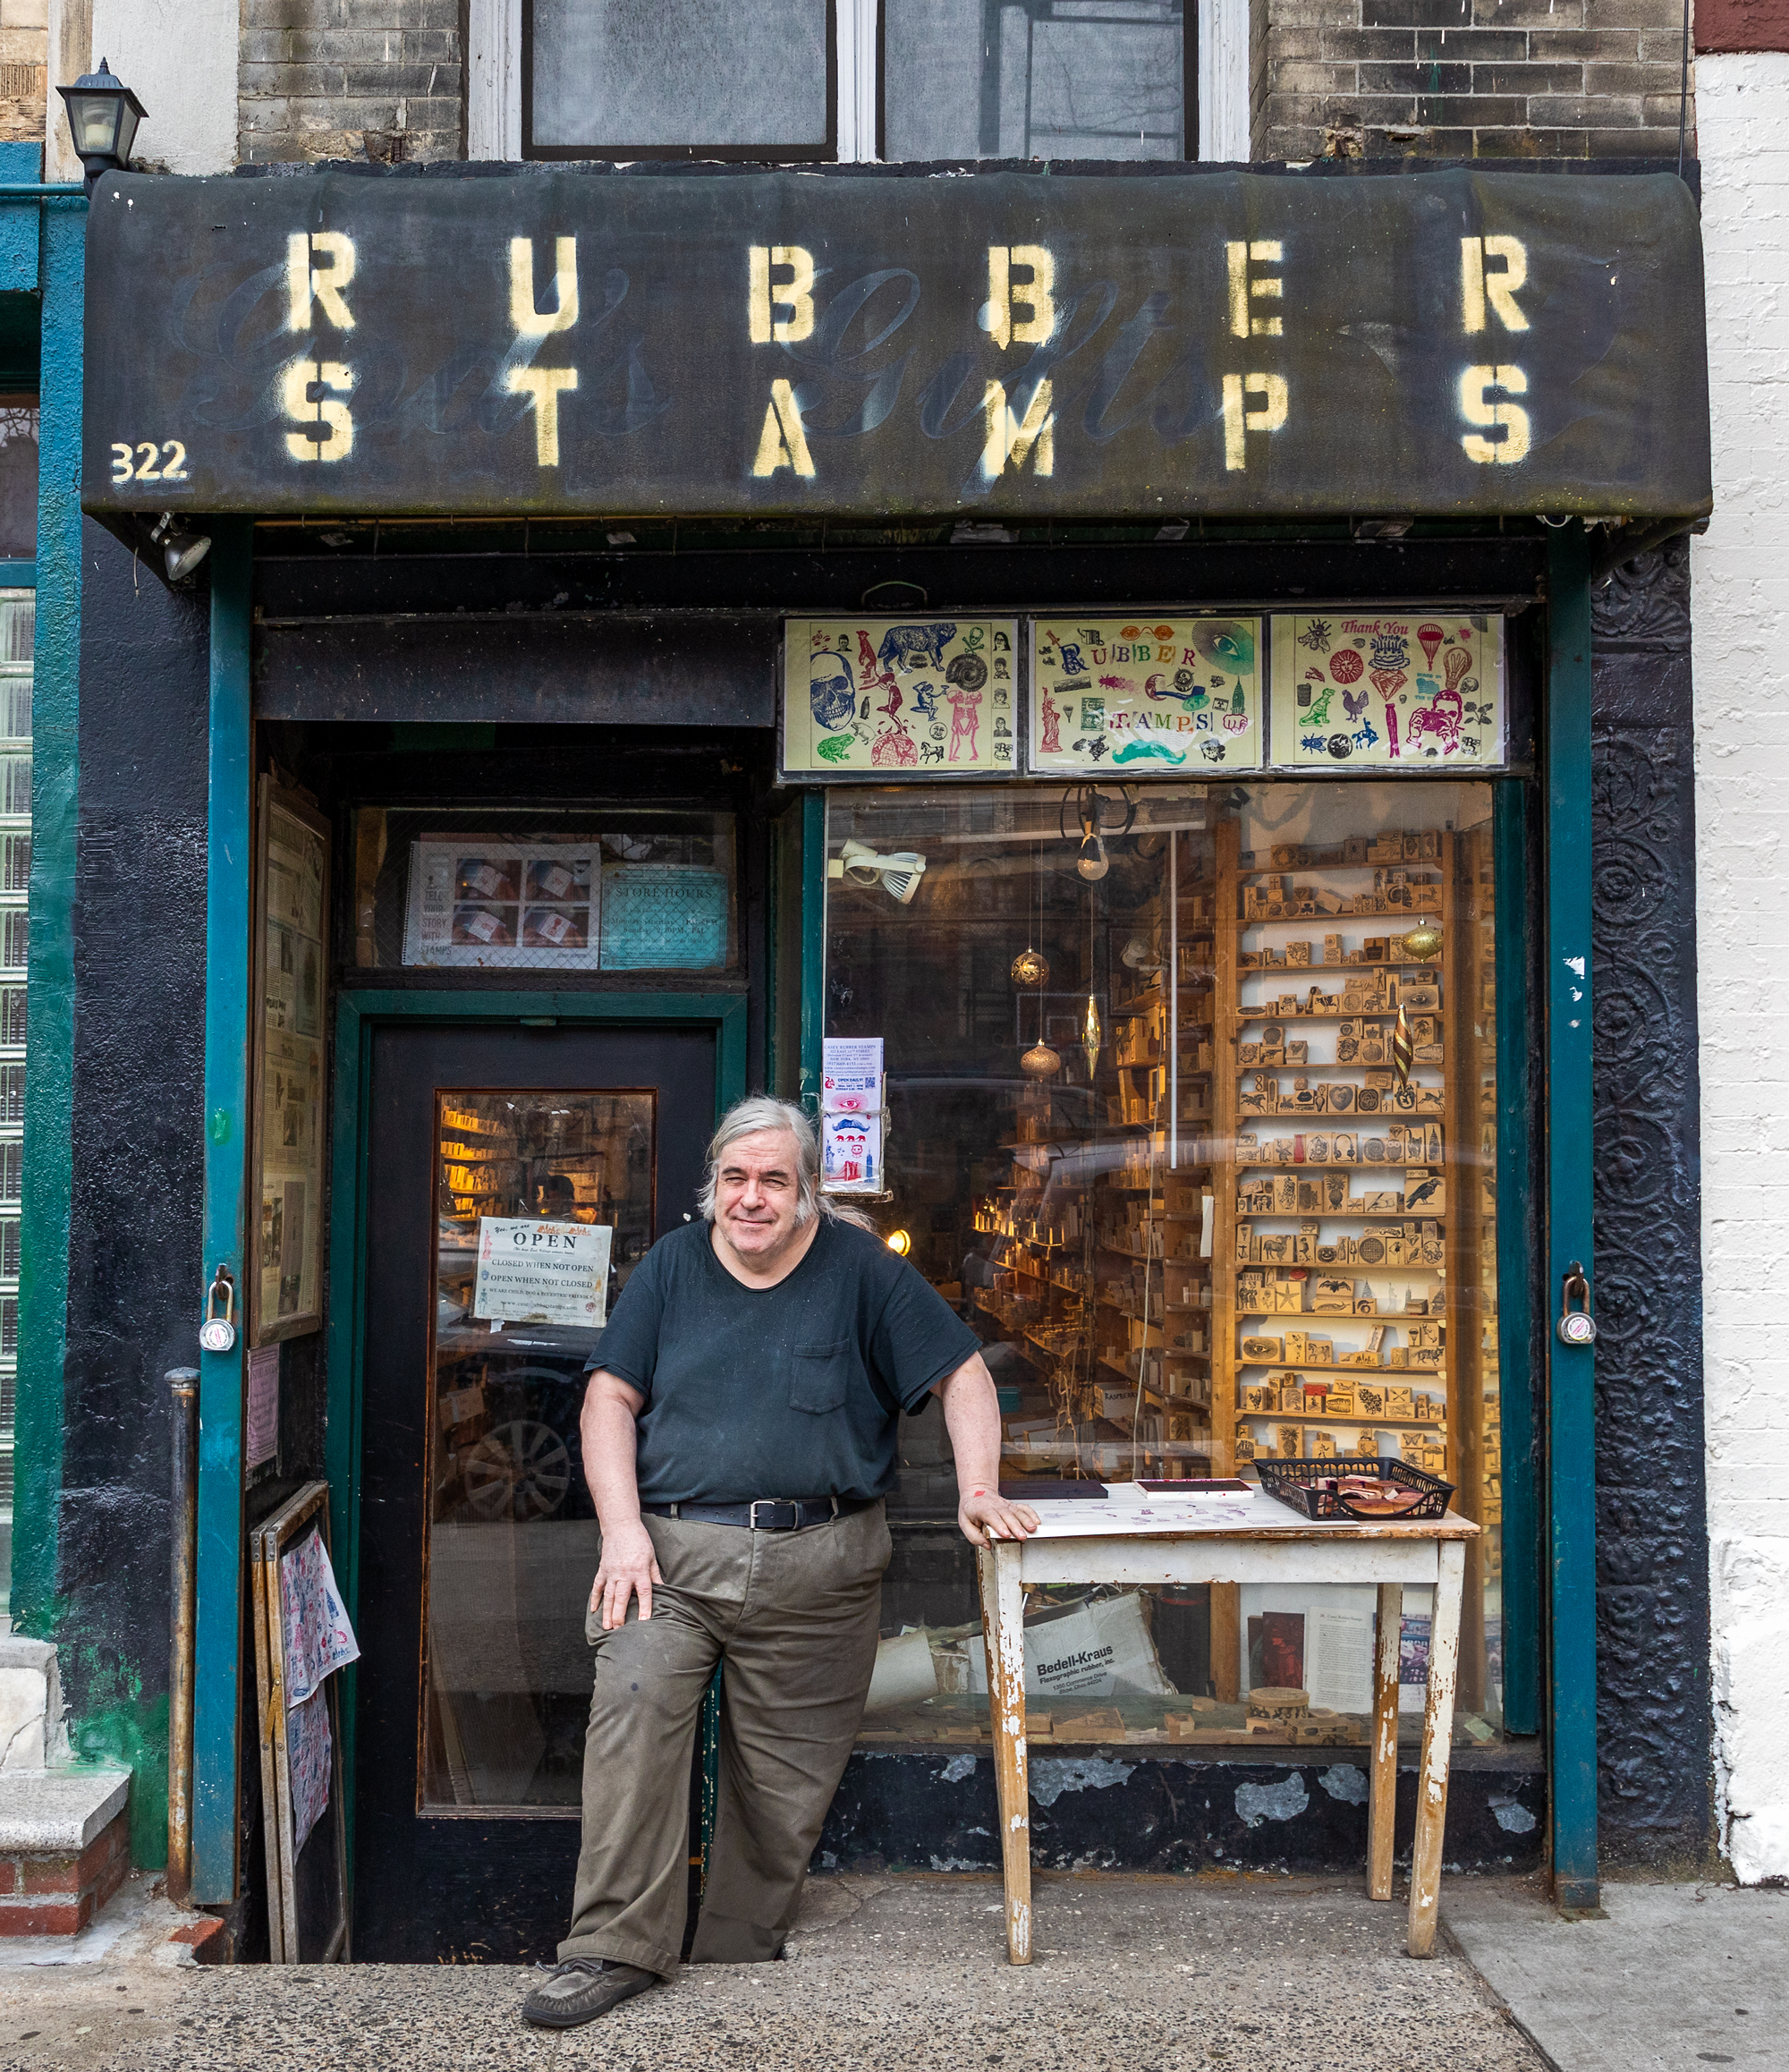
point(18, 500)
point(1034, 78)
point(610, 76)
point(1151, 1130)
point(513, 1540)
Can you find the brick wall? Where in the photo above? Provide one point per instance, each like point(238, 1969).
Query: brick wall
point(347, 79)
point(1471, 78)
point(24, 56)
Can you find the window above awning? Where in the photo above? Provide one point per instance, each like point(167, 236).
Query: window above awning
point(1010, 344)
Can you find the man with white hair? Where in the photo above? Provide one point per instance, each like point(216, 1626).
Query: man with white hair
point(739, 1439)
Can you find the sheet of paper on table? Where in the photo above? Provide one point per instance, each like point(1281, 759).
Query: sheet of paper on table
point(1128, 1509)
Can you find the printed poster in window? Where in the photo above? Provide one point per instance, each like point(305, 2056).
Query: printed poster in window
point(1142, 698)
point(284, 1295)
point(932, 695)
point(493, 902)
point(1389, 690)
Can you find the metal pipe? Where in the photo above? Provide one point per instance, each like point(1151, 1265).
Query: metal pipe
point(183, 1382)
point(41, 190)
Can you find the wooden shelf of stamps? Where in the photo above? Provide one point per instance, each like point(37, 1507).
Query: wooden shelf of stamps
point(1354, 1236)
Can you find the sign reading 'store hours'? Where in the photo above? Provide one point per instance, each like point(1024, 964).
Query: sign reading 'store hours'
point(542, 1273)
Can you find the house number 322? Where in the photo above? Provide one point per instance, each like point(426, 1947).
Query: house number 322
point(149, 461)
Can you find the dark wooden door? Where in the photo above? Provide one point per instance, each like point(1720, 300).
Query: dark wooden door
point(478, 1532)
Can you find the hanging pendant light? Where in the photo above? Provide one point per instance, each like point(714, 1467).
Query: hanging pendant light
point(1091, 1035)
point(1031, 967)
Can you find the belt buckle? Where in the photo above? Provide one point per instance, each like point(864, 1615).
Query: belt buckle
point(772, 1504)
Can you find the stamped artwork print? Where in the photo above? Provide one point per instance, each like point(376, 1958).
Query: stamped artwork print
point(1144, 697)
point(927, 696)
point(1394, 690)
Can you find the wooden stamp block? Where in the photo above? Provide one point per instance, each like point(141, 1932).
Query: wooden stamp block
point(1372, 1401)
point(1287, 1438)
point(1298, 954)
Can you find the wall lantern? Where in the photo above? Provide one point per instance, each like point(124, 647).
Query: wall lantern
point(103, 115)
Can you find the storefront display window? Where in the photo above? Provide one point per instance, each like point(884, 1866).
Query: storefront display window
point(635, 889)
point(1190, 1110)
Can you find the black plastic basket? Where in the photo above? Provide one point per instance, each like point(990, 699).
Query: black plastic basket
point(1294, 1484)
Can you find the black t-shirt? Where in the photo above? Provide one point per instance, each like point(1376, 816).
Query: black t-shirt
point(787, 1391)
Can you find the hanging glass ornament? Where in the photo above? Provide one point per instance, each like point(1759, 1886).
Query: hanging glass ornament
point(1423, 940)
point(1040, 1062)
point(1031, 967)
point(1091, 1034)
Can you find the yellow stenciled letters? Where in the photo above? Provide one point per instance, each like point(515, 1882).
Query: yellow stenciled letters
point(1035, 296)
point(782, 443)
point(318, 265)
point(1239, 420)
point(1479, 286)
point(530, 322)
point(299, 378)
point(1013, 440)
point(1509, 417)
point(543, 386)
point(764, 297)
point(1246, 287)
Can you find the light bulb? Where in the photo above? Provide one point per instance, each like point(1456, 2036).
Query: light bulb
point(1091, 861)
point(900, 1243)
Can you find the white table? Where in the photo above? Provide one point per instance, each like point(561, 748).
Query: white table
point(1239, 1540)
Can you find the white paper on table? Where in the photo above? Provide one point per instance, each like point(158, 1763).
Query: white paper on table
point(1089, 1518)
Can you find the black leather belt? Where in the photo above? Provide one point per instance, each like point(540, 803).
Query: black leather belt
point(767, 1514)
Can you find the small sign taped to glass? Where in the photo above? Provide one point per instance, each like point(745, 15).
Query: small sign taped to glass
point(931, 695)
point(854, 1104)
point(531, 1272)
point(1136, 698)
point(1397, 691)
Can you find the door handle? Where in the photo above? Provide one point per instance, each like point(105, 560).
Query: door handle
point(1576, 1325)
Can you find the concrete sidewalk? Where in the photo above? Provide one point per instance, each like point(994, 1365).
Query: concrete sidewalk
point(1133, 1975)
point(1679, 1976)
point(891, 1975)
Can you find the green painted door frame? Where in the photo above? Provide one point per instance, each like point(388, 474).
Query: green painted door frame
point(358, 1015)
point(218, 1710)
point(1571, 1411)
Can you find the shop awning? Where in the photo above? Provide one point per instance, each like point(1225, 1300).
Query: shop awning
point(873, 345)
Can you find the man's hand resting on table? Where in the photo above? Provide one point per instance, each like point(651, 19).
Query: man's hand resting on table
point(985, 1514)
point(972, 1418)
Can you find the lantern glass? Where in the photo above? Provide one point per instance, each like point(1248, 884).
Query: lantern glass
point(93, 121)
point(103, 115)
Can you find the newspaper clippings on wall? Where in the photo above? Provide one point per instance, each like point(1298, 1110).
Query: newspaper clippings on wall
point(285, 1276)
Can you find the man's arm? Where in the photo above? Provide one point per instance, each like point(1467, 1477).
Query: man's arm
point(629, 1564)
point(972, 1418)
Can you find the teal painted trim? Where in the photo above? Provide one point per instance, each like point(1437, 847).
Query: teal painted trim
point(56, 801)
point(813, 943)
point(1518, 1247)
point(1571, 1411)
point(42, 191)
point(217, 1694)
point(358, 1013)
point(18, 575)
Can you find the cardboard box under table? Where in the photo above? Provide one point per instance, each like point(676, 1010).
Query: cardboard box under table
point(1244, 1537)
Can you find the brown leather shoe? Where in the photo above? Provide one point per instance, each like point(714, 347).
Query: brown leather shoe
point(582, 1988)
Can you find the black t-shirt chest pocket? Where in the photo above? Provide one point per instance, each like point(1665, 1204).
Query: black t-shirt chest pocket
point(820, 1374)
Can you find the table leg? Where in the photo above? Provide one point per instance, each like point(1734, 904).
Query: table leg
point(1383, 1760)
point(1437, 1748)
point(1002, 1630)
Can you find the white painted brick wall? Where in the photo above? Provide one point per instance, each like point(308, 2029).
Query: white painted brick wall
point(1741, 578)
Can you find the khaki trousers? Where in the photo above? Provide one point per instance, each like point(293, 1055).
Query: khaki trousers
point(794, 1617)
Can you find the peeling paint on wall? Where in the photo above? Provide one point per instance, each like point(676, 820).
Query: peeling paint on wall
point(1051, 1776)
point(1284, 1801)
